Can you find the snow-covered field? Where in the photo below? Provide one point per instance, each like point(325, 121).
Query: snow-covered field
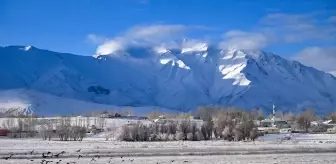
point(323, 158)
point(303, 149)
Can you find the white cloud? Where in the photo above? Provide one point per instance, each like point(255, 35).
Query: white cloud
point(155, 32)
point(275, 28)
point(281, 28)
point(109, 47)
point(294, 28)
point(322, 58)
point(145, 35)
point(243, 40)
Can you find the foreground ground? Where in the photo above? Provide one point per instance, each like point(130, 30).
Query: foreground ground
point(301, 150)
point(323, 158)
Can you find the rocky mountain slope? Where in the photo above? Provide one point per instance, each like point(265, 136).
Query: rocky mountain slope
point(172, 78)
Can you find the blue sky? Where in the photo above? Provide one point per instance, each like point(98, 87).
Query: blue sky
point(290, 28)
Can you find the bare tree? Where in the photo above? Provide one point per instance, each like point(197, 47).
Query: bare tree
point(63, 129)
point(207, 129)
point(238, 134)
point(77, 133)
point(304, 119)
point(184, 127)
point(45, 129)
point(171, 128)
point(223, 119)
point(136, 132)
point(227, 133)
point(125, 134)
point(110, 131)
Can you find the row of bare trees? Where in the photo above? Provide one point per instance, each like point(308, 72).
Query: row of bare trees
point(63, 130)
point(225, 123)
point(171, 131)
point(46, 129)
point(231, 124)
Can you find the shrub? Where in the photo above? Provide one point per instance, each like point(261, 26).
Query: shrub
point(253, 134)
point(180, 136)
point(164, 137)
point(171, 137)
point(190, 137)
point(153, 137)
point(238, 134)
point(125, 134)
point(227, 133)
point(199, 136)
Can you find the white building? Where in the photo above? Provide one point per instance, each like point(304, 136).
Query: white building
point(274, 125)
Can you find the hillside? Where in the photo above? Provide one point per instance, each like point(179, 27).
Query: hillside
point(177, 78)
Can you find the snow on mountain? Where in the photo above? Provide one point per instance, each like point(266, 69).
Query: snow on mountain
point(180, 77)
point(25, 101)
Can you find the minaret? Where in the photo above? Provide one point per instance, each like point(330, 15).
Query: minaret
point(273, 118)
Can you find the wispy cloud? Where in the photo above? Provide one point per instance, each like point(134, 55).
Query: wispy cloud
point(283, 28)
point(322, 58)
point(145, 35)
point(294, 28)
point(243, 40)
point(273, 29)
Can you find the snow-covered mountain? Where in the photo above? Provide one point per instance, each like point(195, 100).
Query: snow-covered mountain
point(180, 78)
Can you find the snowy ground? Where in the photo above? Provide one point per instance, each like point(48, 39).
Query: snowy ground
point(325, 158)
point(304, 149)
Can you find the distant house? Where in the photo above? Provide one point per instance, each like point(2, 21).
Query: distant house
point(274, 122)
point(269, 130)
point(330, 123)
point(105, 115)
point(161, 119)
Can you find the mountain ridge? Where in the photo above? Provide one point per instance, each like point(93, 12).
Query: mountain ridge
point(180, 78)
